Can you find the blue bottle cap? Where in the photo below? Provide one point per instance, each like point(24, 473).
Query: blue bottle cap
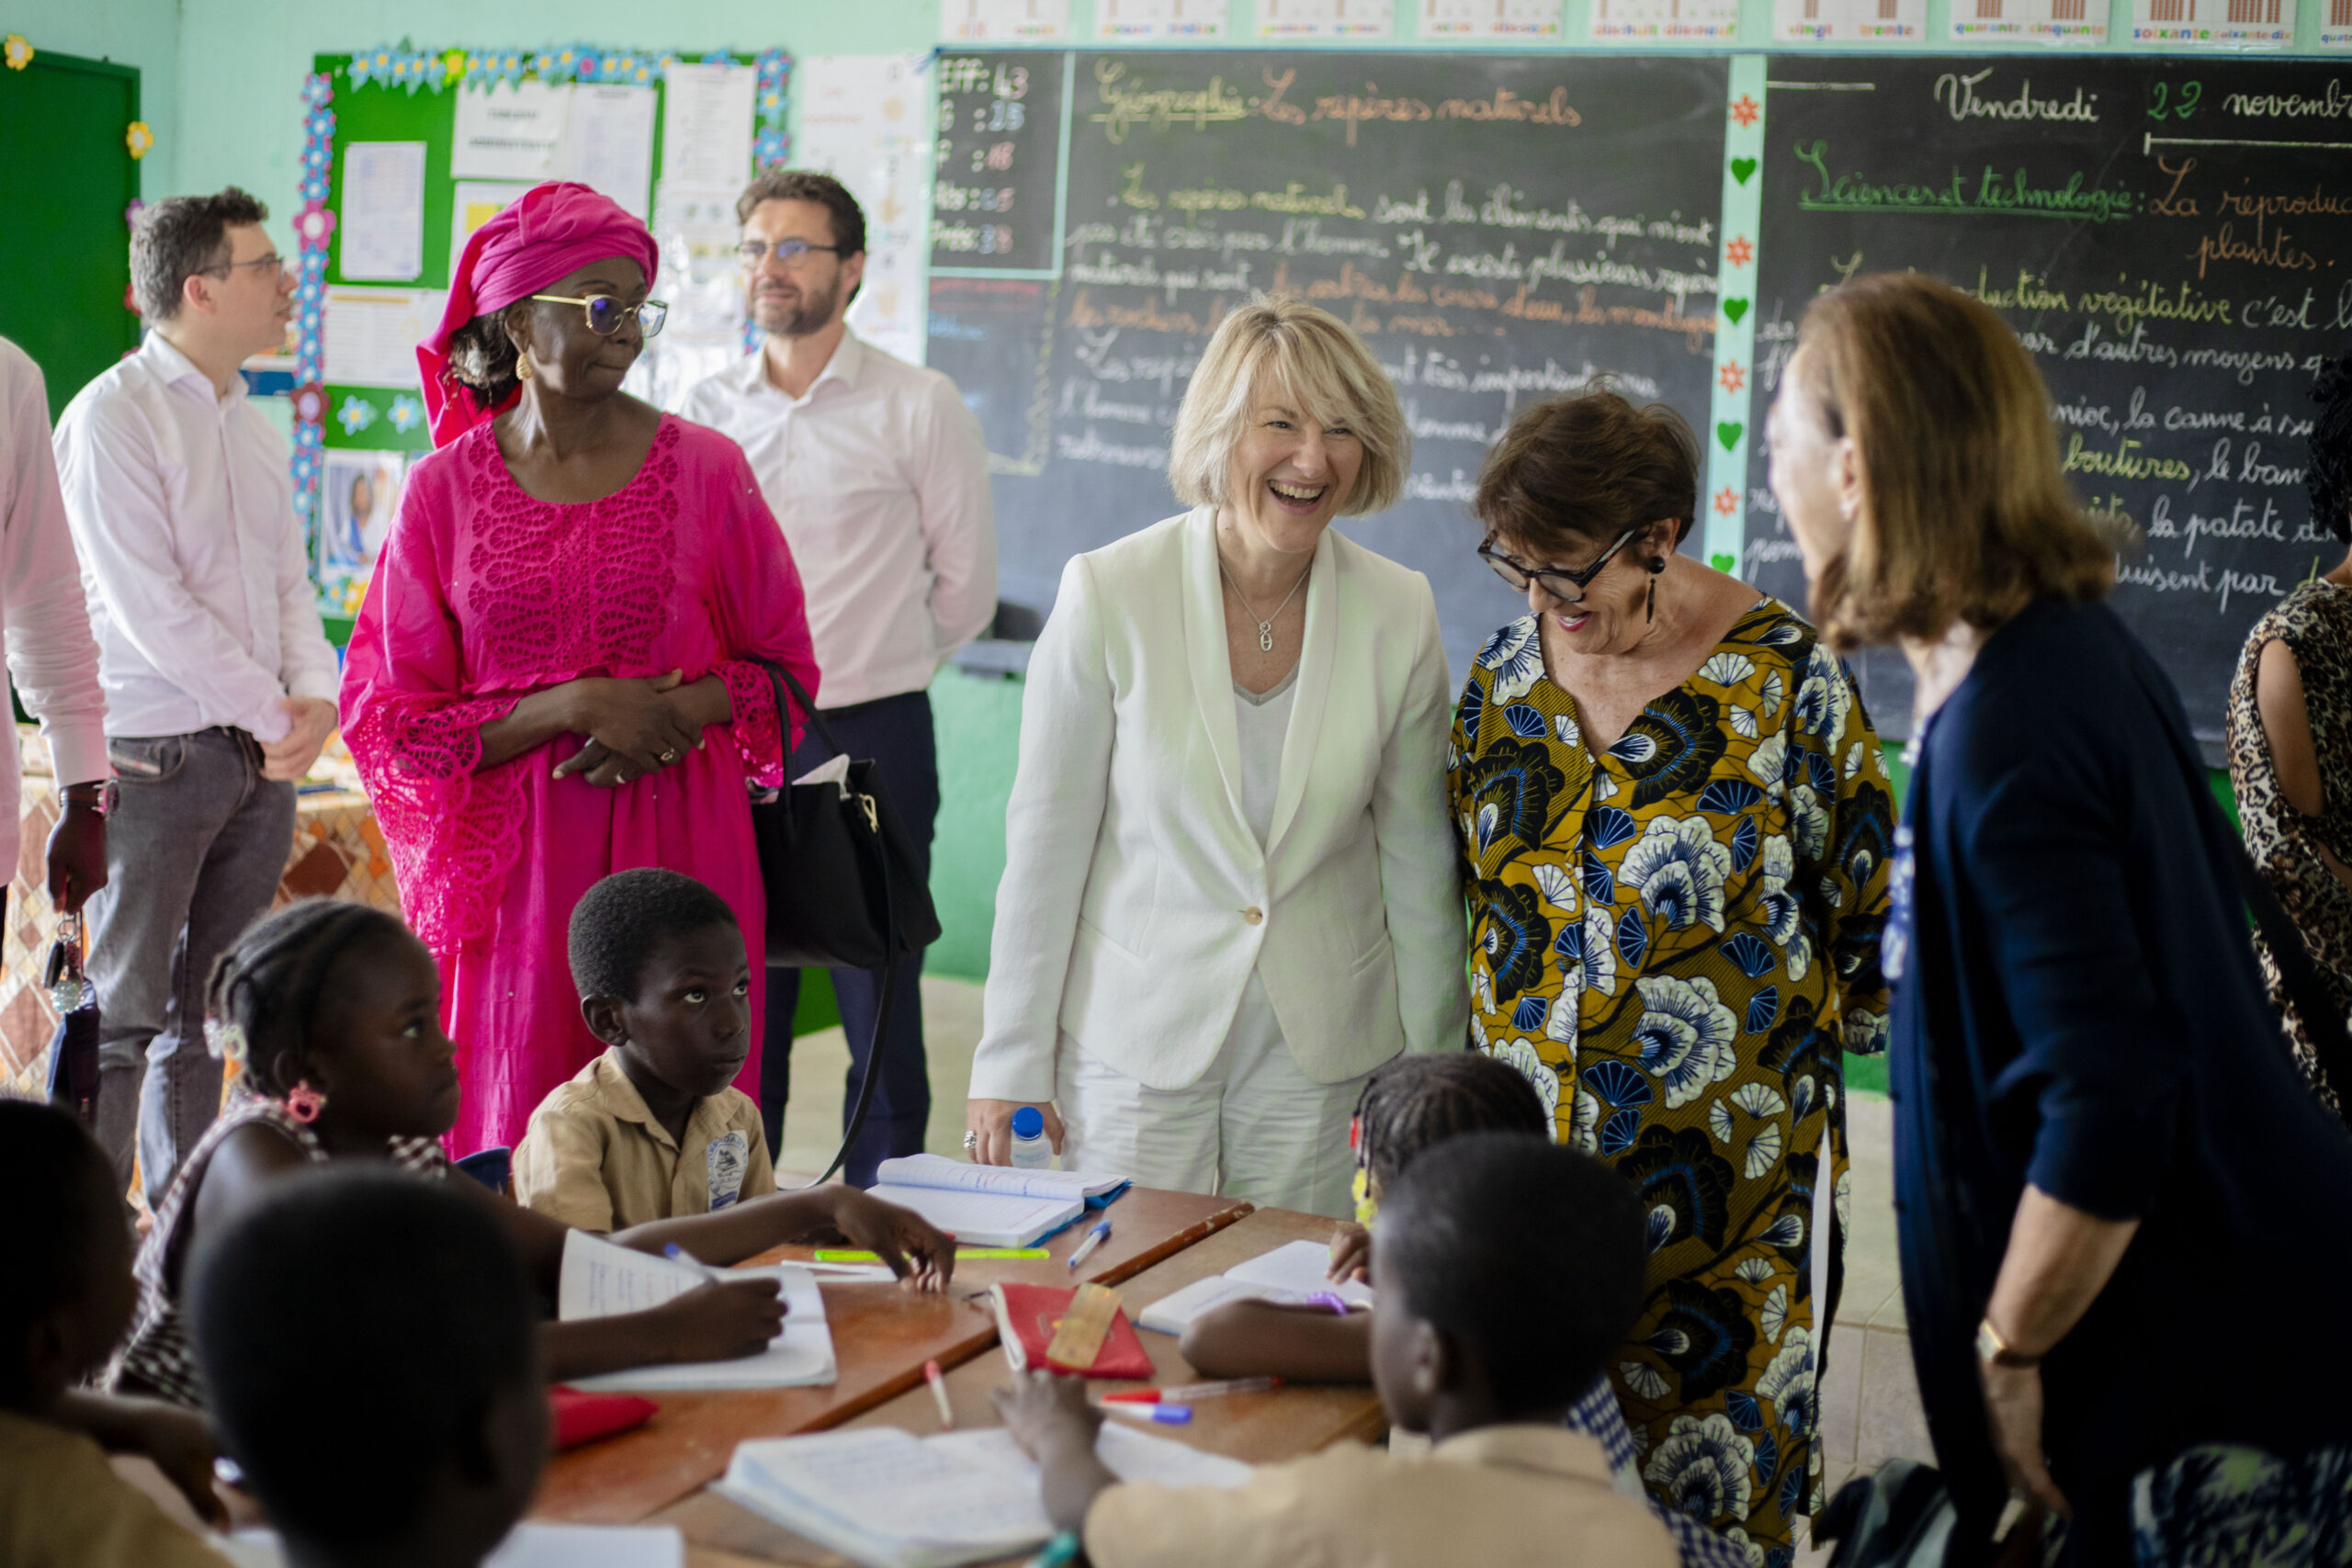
point(1028, 1123)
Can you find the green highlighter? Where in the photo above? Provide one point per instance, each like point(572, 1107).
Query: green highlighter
point(828, 1255)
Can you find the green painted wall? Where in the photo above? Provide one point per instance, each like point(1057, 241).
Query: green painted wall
point(144, 34)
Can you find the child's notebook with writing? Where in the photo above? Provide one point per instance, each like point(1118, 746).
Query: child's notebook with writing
point(990, 1205)
point(1290, 1274)
point(1027, 1315)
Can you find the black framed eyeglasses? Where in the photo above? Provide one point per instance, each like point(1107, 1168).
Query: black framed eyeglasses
point(1519, 574)
point(790, 253)
point(606, 313)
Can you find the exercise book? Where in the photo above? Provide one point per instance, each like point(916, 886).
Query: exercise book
point(601, 1279)
point(990, 1205)
point(1290, 1274)
point(892, 1500)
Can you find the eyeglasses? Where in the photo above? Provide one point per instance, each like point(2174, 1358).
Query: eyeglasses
point(270, 263)
point(606, 313)
point(1519, 574)
point(790, 254)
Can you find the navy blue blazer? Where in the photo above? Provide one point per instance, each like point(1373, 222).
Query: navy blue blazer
point(2078, 1006)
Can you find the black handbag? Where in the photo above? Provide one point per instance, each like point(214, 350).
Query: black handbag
point(845, 885)
point(73, 1049)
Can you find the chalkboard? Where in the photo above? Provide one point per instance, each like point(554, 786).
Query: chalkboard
point(1498, 229)
point(2164, 234)
point(999, 149)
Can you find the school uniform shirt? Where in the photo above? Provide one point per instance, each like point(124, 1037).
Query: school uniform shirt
point(878, 476)
point(192, 558)
point(53, 660)
point(596, 1158)
point(61, 1505)
point(1500, 1497)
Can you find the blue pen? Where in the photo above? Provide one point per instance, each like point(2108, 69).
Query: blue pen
point(1094, 1238)
point(677, 1253)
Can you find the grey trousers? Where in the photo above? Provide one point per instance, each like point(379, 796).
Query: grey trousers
point(194, 854)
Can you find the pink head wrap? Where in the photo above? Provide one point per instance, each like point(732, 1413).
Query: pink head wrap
point(554, 229)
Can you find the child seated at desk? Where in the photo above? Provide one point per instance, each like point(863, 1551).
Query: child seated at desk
point(368, 1343)
point(1507, 1270)
point(1410, 1105)
point(65, 1298)
point(333, 1011)
point(654, 1128)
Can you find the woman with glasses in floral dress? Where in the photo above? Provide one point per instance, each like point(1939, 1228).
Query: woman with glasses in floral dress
point(551, 676)
point(1675, 823)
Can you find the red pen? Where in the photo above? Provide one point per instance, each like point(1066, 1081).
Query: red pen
point(1185, 1394)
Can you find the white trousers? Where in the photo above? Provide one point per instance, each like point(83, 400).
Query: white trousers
point(1253, 1126)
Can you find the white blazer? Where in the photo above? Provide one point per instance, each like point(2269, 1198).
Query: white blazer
point(1136, 899)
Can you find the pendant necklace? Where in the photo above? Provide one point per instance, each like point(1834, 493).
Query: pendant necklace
point(1265, 627)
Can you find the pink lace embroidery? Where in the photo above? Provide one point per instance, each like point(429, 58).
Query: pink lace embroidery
point(753, 729)
point(453, 833)
point(569, 588)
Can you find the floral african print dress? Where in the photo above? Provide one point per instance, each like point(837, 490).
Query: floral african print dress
point(1672, 939)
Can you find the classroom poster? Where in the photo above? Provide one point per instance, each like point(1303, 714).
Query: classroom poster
point(2219, 24)
point(513, 131)
point(361, 491)
point(1152, 21)
point(608, 143)
point(1621, 21)
point(1853, 21)
point(1437, 20)
point(474, 203)
point(2030, 21)
point(707, 124)
point(1003, 21)
point(701, 282)
point(864, 119)
point(371, 334)
point(1325, 19)
point(381, 228)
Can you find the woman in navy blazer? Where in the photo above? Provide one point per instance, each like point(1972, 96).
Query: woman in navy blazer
point(2126, 1227)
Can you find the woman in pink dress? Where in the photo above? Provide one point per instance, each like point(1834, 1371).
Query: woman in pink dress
point(549, 678)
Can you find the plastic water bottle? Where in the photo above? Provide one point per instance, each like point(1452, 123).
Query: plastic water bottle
point(1031, 1151)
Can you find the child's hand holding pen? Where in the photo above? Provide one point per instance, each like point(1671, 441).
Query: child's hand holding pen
point(1351, 1255)
point(733, 1315)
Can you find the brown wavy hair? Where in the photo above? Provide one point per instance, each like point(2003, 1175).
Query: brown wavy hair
point(1574, 472)
point(1965, 512)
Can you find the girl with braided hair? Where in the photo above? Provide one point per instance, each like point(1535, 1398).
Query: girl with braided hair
point(2290, 734)
point(333, 1010)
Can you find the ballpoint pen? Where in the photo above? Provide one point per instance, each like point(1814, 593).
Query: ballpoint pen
point(1094, 1238)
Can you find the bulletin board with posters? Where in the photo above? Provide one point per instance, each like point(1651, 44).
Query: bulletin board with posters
point(406, 151)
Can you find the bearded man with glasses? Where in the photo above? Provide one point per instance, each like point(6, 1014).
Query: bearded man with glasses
point(219, 681)
point(878, 476)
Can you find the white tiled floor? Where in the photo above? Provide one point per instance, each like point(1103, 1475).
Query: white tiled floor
point(1869, 1403)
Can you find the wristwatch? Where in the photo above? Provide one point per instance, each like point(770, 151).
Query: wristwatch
point(102, 794)
point(1991, 1348)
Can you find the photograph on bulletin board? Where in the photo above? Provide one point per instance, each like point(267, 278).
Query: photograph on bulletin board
point(361, 491)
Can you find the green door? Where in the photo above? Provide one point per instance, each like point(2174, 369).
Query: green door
point(67, 180)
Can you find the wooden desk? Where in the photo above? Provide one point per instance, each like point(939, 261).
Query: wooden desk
point(882, 1335)
point(1258, 1427)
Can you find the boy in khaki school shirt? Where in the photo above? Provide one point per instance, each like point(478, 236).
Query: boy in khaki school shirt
point(652, 1129)
point(1507, 1271)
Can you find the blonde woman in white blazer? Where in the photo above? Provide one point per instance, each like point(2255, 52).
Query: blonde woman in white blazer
point(1230, 889)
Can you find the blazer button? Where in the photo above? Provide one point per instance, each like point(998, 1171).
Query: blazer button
point(1253, 915)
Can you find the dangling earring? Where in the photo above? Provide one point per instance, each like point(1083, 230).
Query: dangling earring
point(303, 1103)
point(522, 366)
point(1649, 607)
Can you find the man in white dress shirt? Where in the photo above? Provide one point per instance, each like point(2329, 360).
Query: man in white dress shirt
point(52, 663)
point(219, 681)
point(878, 474)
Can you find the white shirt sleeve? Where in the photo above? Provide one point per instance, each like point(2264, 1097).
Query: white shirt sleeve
point(122, 525)
point(959, 518)
point(52, 658)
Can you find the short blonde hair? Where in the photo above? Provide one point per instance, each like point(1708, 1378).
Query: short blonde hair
point(1965, 513)
point(1274, 342)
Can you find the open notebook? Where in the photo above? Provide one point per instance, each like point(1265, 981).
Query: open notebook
point(601, 1279)
point(893, 1500)
point(990, 1205)
point(1291, 1273)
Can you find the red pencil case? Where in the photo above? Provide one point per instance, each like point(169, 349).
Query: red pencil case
point(583, 1417)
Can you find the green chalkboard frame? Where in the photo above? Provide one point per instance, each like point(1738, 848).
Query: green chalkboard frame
point(65, 271)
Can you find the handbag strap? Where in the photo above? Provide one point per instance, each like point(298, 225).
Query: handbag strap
point(778, 674)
